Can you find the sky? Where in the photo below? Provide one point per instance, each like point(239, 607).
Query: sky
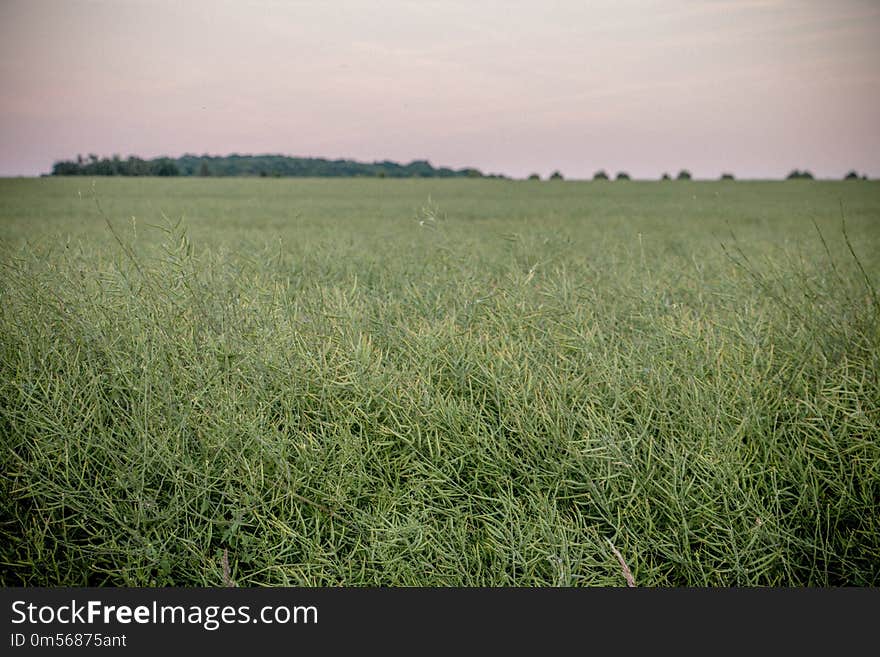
point(752, 87)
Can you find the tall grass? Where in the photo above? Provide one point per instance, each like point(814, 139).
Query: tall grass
point(586, 392)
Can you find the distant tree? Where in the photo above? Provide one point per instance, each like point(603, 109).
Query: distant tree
point(137, 167)
point(65, 169)
point(556, 175)
point(165, 167)
point(852, 175)
point(622, 175)
point(684, 174)
point(102, 167)
point(796, 174)
point(864, 176)
point(204, 169)
point(600, 175)
point(727, 176)
point(534, 176)
point(665, 176)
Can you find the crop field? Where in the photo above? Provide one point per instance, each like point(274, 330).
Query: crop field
point(367, 382)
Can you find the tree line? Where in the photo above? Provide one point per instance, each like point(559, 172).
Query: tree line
point(276, 166)
point(283, 166)
point(684, 174)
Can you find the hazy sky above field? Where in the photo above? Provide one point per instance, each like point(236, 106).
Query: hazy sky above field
point(756, 88)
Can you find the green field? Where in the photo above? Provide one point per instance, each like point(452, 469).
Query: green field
point(439, 382)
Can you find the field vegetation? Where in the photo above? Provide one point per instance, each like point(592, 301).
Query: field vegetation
point(383, 382)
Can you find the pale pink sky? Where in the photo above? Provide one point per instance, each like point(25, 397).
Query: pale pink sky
point(754, 87)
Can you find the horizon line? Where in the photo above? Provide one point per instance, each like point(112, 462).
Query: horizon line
point(611, 177)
